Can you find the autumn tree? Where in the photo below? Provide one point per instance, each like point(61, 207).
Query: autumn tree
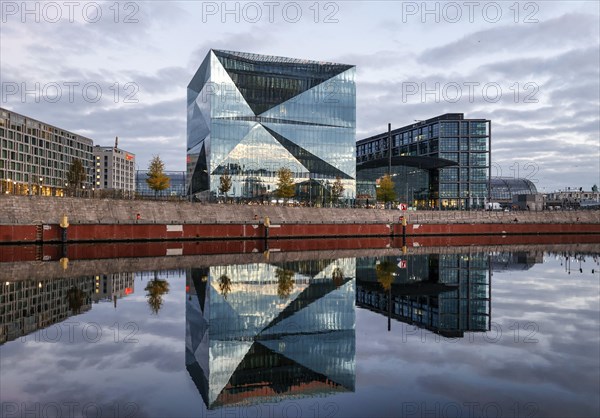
point(385, 274)
point(76, 175)
point(286, 188)
point(157, 179)
point(337, 190)
point(285, 282)
point(386, 191)
point(225, 184)
point(155, 289)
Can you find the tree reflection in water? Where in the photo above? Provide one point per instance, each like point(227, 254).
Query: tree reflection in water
point(285, 282)
point(155, 289)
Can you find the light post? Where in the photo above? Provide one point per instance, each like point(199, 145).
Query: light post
point(41, 184)
point(7, 191)
point(14, 187)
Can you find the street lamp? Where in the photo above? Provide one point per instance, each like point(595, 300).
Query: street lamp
point(41, 183)
point(14, 187)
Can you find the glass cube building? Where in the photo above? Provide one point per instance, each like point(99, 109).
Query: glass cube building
point(250, 115)
point(441, 163)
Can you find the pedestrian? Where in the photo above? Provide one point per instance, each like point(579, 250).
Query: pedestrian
point(138, 217)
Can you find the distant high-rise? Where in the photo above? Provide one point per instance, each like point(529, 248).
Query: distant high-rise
point(114, 168)
point(250, 115)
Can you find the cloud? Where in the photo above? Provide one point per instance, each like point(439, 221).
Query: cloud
point(574, 29)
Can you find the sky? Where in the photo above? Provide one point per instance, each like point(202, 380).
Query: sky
point(107, 69)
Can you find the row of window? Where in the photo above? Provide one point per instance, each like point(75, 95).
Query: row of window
point(448, 129)
point(47, 141)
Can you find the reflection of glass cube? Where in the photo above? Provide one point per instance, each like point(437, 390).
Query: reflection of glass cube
point(247, 342)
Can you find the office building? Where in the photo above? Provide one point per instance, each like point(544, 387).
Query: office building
point(35, 156)
point(27, 306)
point(250, 115)
point(447, 294)
point(441, 163)
point(110, 287)
point(114, 169)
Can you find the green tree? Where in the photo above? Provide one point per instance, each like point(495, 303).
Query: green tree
point(286, 188)
point(157, 179)
point(285, 282)
point(224, 285)
point(155, 289)
point(75, 176)
point(337, 190)
point(385, 274)
point(386, 192)
point(225, 184)
point(76, 299)
point(595, 188)
point(338, 277)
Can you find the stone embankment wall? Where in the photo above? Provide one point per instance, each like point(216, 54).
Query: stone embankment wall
point(37, 210)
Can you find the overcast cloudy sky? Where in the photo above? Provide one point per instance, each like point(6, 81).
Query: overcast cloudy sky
point(106, 69)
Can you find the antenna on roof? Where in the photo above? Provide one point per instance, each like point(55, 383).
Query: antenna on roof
point(116, 142)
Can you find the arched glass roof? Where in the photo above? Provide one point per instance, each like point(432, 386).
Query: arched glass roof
point(504, 188)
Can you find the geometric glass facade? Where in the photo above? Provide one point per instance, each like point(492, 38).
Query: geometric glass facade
point(263, 332)
point(442, 162)
point(249, 115)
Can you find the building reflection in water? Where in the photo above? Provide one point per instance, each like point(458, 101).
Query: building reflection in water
point(263, 332)
point(448, 294)
point(27, 306)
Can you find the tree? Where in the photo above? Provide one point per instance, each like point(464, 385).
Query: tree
point(338, 277)
point(225, 183)
point(285, 184)
point(386, 191)
point(285, 282)
point(156, 288)
point(76, 299)
point(595, 188)
point(337, 190)
point(385, 274)
point(157, 180)
point(76, 175)
point(224, 285)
